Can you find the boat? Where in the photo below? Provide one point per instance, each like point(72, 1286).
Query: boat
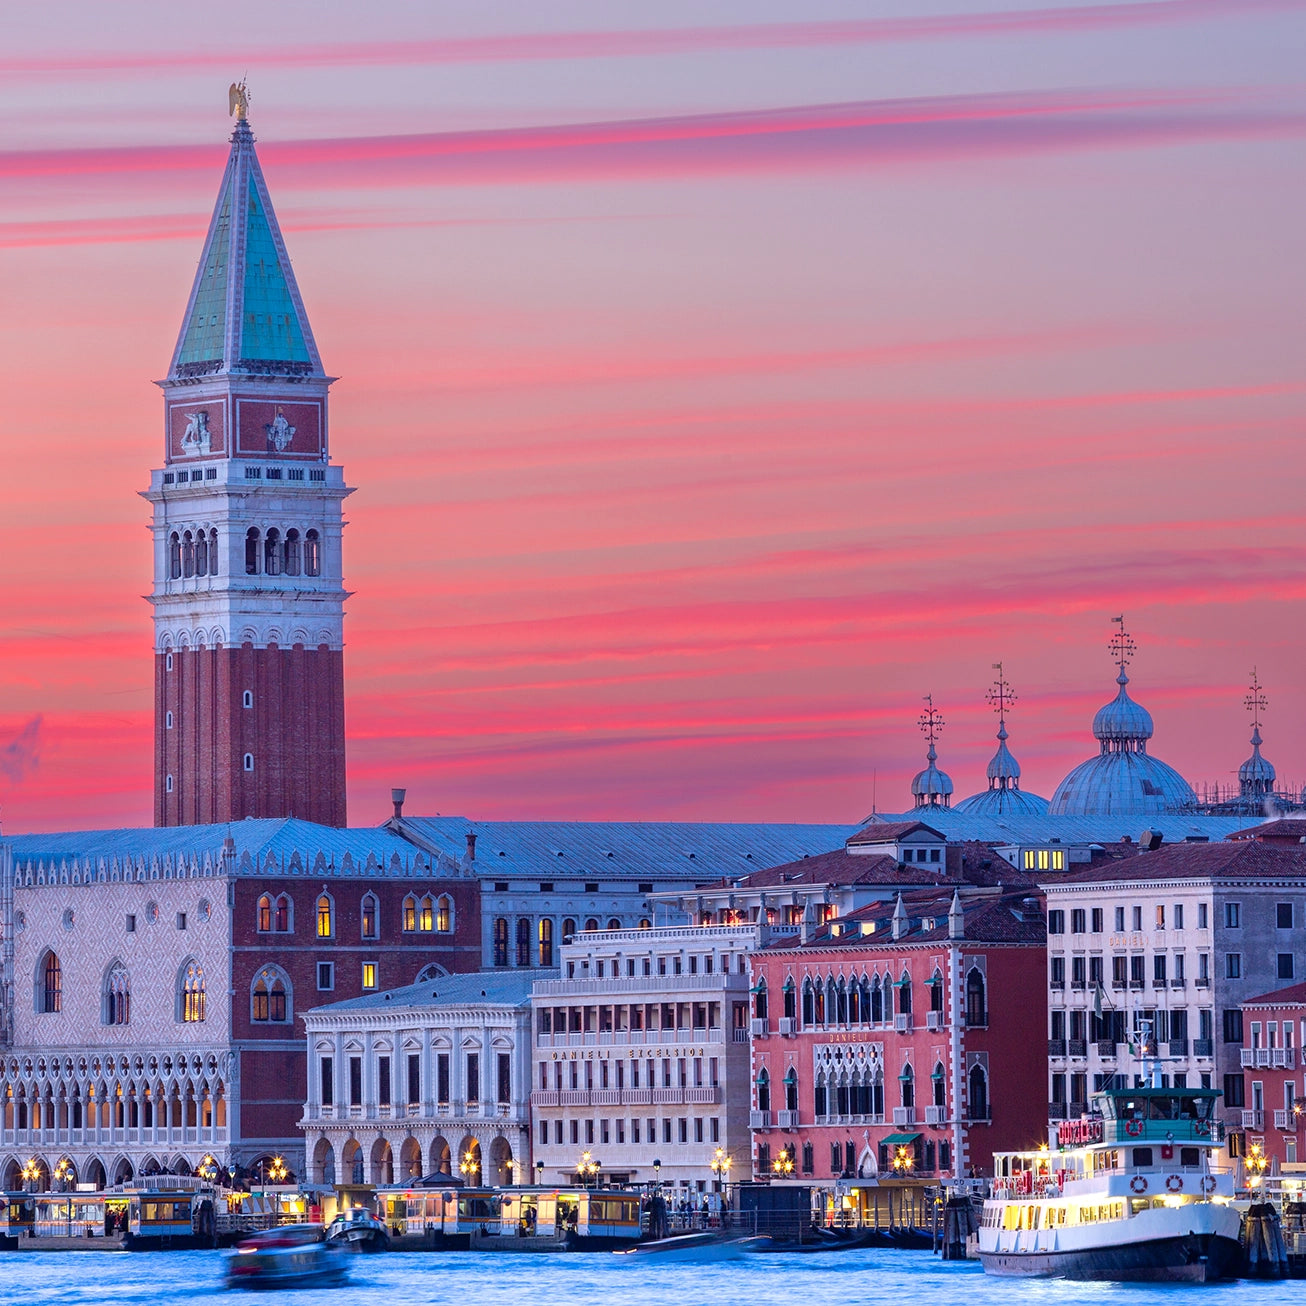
point(1129, 1194)
point(691, 1247)
point(292, 1256)
point(357, 1230)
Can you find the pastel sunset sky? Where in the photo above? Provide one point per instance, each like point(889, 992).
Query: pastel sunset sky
point(717, 379)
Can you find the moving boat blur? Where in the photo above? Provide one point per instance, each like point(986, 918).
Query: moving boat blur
point(292, 1256)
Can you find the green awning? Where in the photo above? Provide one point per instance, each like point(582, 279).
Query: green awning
point(900, 1140)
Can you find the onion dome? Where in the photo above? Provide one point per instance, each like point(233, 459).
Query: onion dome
point(1003, 797)
point(1256, 775)
point(1123, 779)
point(931, 787)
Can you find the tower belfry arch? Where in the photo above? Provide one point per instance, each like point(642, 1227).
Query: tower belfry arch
point(248, 591)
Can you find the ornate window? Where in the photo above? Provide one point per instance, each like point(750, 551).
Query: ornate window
point(293, 553)
point(500, 941)
point(187, 554)
point(904, 994)
point(976, 1008)
point(907, 1080)
point(265, 914)
point(272, 552)
point(251, 551)
point(49, 983)
point(791, 1090)
point(523, 941)
point(978, 1085)
point(325, 916)
point(371, 917)
point(282, 917)
point(546, 941)
point(759, 1000)
point(213, 553)
point(312, 554)
point(763, 1090)
point(117, 995)
point(427, 921)
point(174, 556)
point(790, 999)
point(191, 992)
point(444, 915)
point(201, 554)
point(410, 914)
point(271, 997)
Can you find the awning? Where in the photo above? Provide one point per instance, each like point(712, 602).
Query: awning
point(900, 1140)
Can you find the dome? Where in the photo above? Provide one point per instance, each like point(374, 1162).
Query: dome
point(932, 787)
point(1122, 720)
point(1256, 775)
point(1003, 802)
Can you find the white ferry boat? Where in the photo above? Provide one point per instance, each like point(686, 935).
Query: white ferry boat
point(1130, 1193)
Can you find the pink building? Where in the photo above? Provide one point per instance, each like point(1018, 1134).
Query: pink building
point(1273, 1026)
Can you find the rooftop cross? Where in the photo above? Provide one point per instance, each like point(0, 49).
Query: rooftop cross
point(1121, 647)
point(1255, 701)
point(930, 721)
point(1000, 696)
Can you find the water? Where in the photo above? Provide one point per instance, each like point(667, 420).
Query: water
point(478, 1279)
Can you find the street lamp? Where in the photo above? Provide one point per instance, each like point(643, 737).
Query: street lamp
point(278, 1172)
point(469, 1166)
point(1256, 1163)
point(783, 1165)
point(31, 1173)
point(720, 1164)
point(208, 1169)
point(902, 1161)
point(539, 1173)
point(657, 1171)
point(588, 1168)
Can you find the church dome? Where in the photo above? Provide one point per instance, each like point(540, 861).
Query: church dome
point(1003, 802)
point(1256, 775)
point(1122, 720)
point(1004, 796)
point(932, 787)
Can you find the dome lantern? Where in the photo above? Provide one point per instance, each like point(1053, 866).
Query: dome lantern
point(931, 787)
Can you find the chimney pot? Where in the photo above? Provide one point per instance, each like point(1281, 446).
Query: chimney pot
point(471, 845)
point(397, 797)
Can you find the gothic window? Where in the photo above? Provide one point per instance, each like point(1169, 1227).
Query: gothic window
point(201, 554)
point(500, 941)
point(192, 992)
point(444, 915)
point(523, 941)
point(283, 915)
point(790, 999)
point(936, 992)
point(820, 1096)
point(939, 1082)
point(49, 983)
point(791, 1090)
point(371, 917)
point(908, 1082)
point(904, 994)
point(292, 553)
point(410, 914)
point(174, 556)
point(272, 552)
point(325, 916)
point(763, 1091)
point(877, 1002)
point(213, 553)
point(312, 554)
point(841, 1004)
point(187, 554)
point(818, 1003)
point(251, 551)
point(759, 1000)
point(809, 1007)
point(117, 995)
point(976, 1014)
point(271, 997)
point(546, 942)
point(427, 922)
point(264, 914)
point(978, 1083)
point(854, 1003)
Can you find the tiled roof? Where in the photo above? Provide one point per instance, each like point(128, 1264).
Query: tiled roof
point(1287, 827)
point(890, 831)
point(1010, 828)
point(498, 988)
point(1226, 860)
point(638, 850)
point(1293, 995)
point(841, 868)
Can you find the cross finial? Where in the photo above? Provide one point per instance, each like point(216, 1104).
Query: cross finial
point(930, 721)
point(1121, 647)
point(999, 696)
point(1255, 701)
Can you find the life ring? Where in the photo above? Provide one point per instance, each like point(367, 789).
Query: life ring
point(1138, 1184)
point(1201, 1128)
point(1133, 1127)
point(1208, 1184)
point(1174, 1184)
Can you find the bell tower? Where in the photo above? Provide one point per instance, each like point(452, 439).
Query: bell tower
point(248, 590)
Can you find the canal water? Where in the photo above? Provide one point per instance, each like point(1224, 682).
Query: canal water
point(881, 1278)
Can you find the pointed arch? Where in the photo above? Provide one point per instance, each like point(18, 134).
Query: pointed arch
point(265, 914)
point(116, 995)
point(444, 916)
point(977, 1092)
point(977, 1014)
point(190, 992)
point(369, 913)
point(410, 914)
point(284, 916)
point(763, 1088)
point(325, 913)
point(791, 1089)
point(49, 983)
point(271, 997)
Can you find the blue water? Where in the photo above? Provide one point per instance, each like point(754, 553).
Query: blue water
point(478, 1279)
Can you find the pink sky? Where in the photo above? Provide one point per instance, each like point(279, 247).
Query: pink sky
point(717, 379)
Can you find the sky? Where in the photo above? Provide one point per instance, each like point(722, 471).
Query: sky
point(717, 379)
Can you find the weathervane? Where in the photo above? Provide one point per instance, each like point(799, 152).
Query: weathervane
point(931, 722)
point(1121, 647)
point(1255, 701)
point(238, 100)
point(1000, 697)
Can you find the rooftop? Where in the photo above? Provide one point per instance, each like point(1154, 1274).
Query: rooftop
point(1226, 860)
point(497, 988)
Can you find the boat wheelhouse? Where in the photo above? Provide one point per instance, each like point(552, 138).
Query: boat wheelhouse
point(1131, 1192)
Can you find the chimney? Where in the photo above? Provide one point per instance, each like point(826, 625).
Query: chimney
point(807, 928)
point(956, 918)
point(471, 846)
point(1150, 840)
point(900, 922)
point(397, 797)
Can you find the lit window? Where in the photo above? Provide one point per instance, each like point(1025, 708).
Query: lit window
point(369, 975)
point(324, 930)
point(427, 916)
point(410, 914)
point(370, 921)
point(264, 914)
point(269, 998)
point(192, 993)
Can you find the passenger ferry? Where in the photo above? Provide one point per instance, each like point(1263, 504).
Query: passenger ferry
point(1130, 1193)
point(510, 1219)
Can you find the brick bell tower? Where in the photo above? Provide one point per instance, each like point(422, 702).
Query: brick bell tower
point(248, 594)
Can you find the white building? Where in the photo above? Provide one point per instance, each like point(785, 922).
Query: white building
point(641, 1055)
point(429, 1079)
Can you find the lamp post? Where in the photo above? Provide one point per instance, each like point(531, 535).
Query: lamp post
point(902, 1161)
point(588, 1169)
point(469, 1166)
point(657, 1171)
point(720, 1165)
point(1256, 1163)
point(63, 1172)
point(208, 1169)
point(278, 1172)
point(783, 1165)
point(539, 1173)
point(31, 1173)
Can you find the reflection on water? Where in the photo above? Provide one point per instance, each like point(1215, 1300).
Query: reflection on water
point(472, 1279)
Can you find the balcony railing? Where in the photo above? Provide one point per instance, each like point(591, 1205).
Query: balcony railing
point(1287, 1121)
point(1056, 1047)
point(904, 1115)
point(1178, 1047)
point(1283, 1058)
point(1203, 1047)
point(1253, 1119)
point(1202, 982)
point(1056, 1110)
point(759, 1120)
point(1078, 1048)
point(1106, 1049)
point(1178, 982)
point(1077, 1109)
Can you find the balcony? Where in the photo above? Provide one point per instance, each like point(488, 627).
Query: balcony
point(1136, 985)
point(759, 1120)
point(605, 1097)
point(761, 1028)
point(1159, 982)
point(934, 1020)
point(1056, 984)
point(1283, 1058)
point(1056, 1110)
point(669, 1096)
point(1178, 1047)
point(1106, 1049)
point(1178, 982)
point(1078, 1048)
point(739, 1036)
point(1253, 1119)
point(936, 1115)
point(1202, 982)
point(1204, 1047)
point(1254, 1057)
point(1056, 1047)
point(904, 1115)
point(1117, 983)
point(788, 1026)
point(1288, 1121)
point(706, 1095)
point(1079, 984)
point(637, 1097)
point(542, 1097)
point(787, 1119)
point(1076, 1110)
point(574, 1097)
point(902, 1022)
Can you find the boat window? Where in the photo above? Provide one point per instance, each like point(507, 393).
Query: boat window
point(1190, 1156)
point(1142, 1157)
point(1163, 1108)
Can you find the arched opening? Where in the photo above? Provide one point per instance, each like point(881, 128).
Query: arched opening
point(312, 554)
point(282, 917)
point(809, 1005)
point(939, 1085)
point(95, 1173)
point(904, 994)
point(791, 1089)
point(977, 1014)
point(907, 1083)
point(293, 553)
point(370, 913)
point(978, 1086)
point(592, 923)
point(174, 556)
point(251, 551)
point(123, 1172)
point(191, 994)
point(501, 1168)
point(410, 914)
point(440, 1157)
point(546, 941)
point(270, 997)
point(759, 1000)
point(383, 1163)
point(187, 554)
point(790, 999)
point(614, 924)
point(524, 941)
point(325, 916)
point(272, 553)
point(201, 554)
point(49, 983)
point(568, 929)
point(13, 1176)
point(265, 914)
point(877, 1002)
point(213, 553)
point(410, 1159)
point(500, 941)
point(763, 1090)
point(324, 1162)
point(352, 1161)
point(117, 995)
point(469, 1163)
point(444, 915)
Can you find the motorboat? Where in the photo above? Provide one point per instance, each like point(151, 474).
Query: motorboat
point(357, 1230)
point(709, 1246)
point(291, 1256)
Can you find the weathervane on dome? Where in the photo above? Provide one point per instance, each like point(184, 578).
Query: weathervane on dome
point(931, 722)
point(238, 100)
point(1121, 647)
point(1255, 701)
point(1000, 697)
